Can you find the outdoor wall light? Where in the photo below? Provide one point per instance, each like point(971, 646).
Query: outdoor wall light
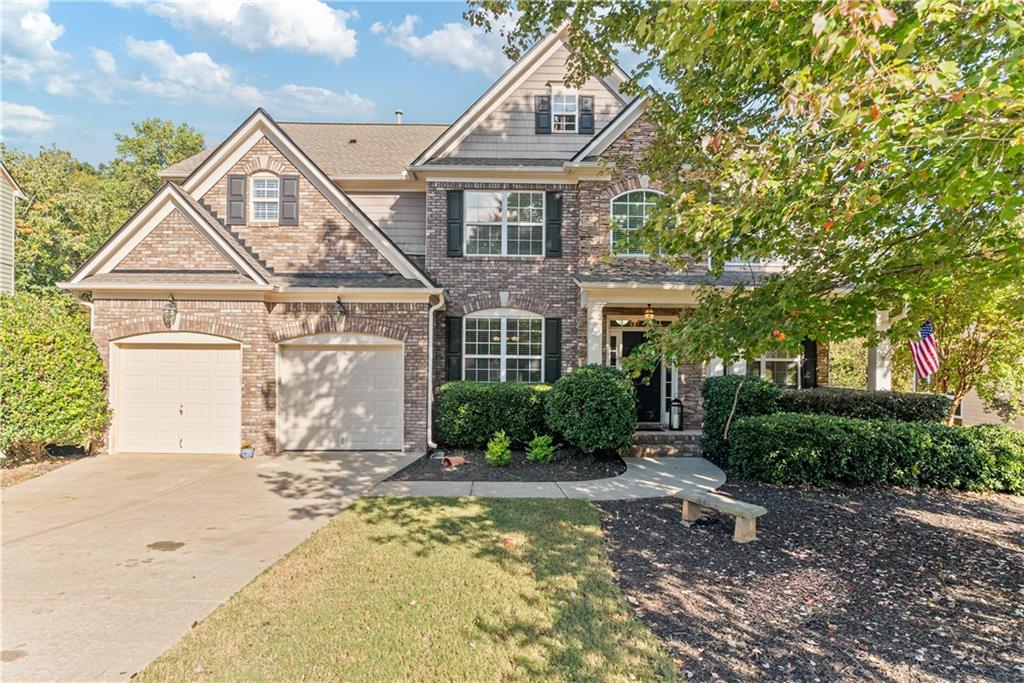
point(648, 313)
point(170, 311)
point(338, 311)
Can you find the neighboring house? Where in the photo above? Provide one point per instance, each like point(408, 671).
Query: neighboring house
point(309, 286)
point(9, 194)
point(973, 412)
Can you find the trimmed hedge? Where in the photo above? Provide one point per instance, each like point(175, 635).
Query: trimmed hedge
point(867, 405)
point(818, 450)
point(594, 409)
point(52, 381)
point(470, 413)
point(757, 397)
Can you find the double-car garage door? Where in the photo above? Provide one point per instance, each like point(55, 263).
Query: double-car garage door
point(182, 392)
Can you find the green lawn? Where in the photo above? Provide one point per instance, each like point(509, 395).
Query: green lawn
point(430, 588)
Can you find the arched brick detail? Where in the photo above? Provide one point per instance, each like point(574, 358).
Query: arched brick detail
point(629, 183)
point(487, 300)
point(263, 162)
point(186, 322)
point(325, 324)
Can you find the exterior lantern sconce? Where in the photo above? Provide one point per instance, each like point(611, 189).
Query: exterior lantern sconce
point(338, 311)
point(676, 416)
point(649, 313)
point(170, 311)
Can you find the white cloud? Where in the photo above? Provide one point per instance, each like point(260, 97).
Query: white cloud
point(466, 48)
point(195, 76)
point(308, 26)
point(29, 34)
point(24, 119)
point(104, 61)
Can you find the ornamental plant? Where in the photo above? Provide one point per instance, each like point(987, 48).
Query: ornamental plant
point(499, 450)
point(52, 380)
point(541, 449)
point(594, 408)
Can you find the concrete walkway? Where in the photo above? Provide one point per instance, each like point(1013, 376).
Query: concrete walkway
point(643, 478)
point(107, 562)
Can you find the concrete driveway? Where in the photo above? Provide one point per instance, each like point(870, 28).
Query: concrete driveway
point(108, 562)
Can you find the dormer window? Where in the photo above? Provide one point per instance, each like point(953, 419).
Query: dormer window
point(266, 198)
point(564, 111)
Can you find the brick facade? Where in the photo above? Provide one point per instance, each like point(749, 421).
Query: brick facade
point(175, 241)
point(324, 241)
point(259, 327)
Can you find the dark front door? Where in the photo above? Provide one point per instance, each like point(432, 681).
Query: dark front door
point(648, 385)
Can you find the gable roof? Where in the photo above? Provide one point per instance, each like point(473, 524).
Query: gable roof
point(615, 128)
point(260, 125)
point(6, 175)
point(536, 56)
point(379, 149)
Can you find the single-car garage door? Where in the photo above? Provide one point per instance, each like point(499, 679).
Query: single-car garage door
point(340, 392)
point(178, 398)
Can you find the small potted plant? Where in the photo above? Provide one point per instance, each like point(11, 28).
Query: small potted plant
point(247, 450)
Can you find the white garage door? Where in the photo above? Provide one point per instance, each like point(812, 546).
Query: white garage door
point(179, 399)
point(340, 398)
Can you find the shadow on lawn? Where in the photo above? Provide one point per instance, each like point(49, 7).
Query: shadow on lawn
point(560, 544)
point(871, 584)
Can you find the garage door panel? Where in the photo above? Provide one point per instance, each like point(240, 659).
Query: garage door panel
point(338, 398)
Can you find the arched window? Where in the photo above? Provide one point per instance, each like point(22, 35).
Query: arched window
point(503, 345)
point(266, 198)
point(629, 213)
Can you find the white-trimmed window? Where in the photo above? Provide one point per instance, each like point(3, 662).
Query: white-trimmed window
point(504, 223)
point(503, 345)
point(778, 367)
point(564, 111)
point(629, 213)
point(266, 198)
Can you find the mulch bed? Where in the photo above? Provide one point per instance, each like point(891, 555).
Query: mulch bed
point(569, 464)
point(9, 476)
point(863, 584)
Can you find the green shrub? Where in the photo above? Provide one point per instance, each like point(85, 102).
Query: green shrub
point(499, 450)
point(757, 397)
point(468, 413)
point(867, 405)
point(541, 449)
point(52, 381)
point(594, 409)
point(817, 450)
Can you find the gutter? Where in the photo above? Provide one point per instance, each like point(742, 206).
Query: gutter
point(430, 371)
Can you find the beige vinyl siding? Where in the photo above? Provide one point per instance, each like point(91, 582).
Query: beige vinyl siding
point(401, 215)
point(6, 237)
point(508, 132)
point(973, 411)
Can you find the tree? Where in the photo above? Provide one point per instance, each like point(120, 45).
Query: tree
point(981, 347)
point(877, 150)
point(848, 364)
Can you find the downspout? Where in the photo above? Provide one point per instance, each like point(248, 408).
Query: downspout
point(430, 370)
point(90, 306)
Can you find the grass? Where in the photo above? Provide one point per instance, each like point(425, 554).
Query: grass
point(429, 588)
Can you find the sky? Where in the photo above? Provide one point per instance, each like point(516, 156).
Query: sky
point(76, 73)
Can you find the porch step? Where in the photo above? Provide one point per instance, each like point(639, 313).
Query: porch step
point(664, 444)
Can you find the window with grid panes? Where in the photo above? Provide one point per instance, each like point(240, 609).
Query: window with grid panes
point(503, 348)
point(629, 213)
point(504, 223)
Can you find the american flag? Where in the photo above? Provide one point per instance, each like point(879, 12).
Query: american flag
point(925, 352)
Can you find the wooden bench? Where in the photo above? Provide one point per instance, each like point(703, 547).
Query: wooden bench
point(746, 514)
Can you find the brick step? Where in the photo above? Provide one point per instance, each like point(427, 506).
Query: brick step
point(667, 450)
point(666, 437)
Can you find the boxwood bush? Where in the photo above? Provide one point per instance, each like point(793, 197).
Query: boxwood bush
point(52, 381)
point(818, 450)
point(470, 413)
point(594, 408)
point(868, 405)
point(757, 397)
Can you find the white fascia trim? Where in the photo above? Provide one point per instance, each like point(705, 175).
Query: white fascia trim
point(18, 192)
point(259, 125)
point(611, 133)
point(356, 294)
point(159, 287)
point(512, 79)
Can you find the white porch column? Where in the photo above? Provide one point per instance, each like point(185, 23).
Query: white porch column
point(595, 333)
point(880, 358)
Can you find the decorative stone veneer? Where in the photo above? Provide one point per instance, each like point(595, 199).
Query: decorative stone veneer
point(175, 241)
point(260, 327)
point(324, 241)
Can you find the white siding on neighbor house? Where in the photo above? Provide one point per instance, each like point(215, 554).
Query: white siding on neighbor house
point(6, 237)
point(972, 410)
point(508, 132)
point(401, 215)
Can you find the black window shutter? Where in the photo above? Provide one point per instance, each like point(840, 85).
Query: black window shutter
point(455, 212)
point(236, 200)
point(586, 123)
point(453, 347)
point(809, 367)
point(552, 349)
point(289, 214)
point(553, 223)
point(542, 114)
